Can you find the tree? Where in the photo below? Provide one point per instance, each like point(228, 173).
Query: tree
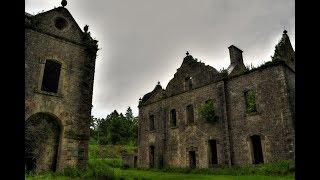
point(129, 114)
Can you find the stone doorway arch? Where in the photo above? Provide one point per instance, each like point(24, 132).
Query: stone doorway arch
point(42, 139)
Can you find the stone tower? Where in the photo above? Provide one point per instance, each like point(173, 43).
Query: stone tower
point(59, 73)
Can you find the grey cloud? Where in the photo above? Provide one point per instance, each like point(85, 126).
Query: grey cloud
point(144, 41)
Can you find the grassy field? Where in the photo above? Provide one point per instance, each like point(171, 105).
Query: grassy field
point(133, 174)
point(141, 174)
point(105, 163)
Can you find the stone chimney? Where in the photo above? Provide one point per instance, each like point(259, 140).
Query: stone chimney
point(235, 55)
point(236, 61)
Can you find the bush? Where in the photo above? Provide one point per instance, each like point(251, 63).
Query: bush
point(207, 111)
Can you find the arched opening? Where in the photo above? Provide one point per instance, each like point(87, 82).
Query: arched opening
point(42, 137)
point(256, 146)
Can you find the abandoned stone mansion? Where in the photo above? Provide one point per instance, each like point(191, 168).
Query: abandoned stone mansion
point(251, 115)
point(59, 73)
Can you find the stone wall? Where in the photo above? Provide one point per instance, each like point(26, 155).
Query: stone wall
point(270, 120)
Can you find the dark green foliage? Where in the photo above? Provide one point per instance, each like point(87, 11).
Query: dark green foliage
point(207, 111)
point(224, 73)
point(115, 128)
point(250, 101)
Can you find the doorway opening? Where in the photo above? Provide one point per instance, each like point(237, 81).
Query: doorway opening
point(151, 157)
point(192, 159)
point(213, 156)
point(257, 149)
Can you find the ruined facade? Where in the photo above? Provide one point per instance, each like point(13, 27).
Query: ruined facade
point(253, 120)
point(59, 73)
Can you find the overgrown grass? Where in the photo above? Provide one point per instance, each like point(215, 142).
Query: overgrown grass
point(105, 163)
point(96, 169)
point(284, 168)
point(108, 151)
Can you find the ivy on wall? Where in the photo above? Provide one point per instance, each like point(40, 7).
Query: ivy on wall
point(250, 101)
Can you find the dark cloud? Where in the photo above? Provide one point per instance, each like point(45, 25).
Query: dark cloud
point(144, 41)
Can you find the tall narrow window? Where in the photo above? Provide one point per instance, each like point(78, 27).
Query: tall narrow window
point(151, 156)
point(250, 98)
point(213, 157)
point(173, 118)
point(257, 149)
point(51, 75)
point(151, 123)
point(188, 83)
point(190, 114)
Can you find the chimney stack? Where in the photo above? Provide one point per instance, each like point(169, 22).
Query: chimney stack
point(235, 55)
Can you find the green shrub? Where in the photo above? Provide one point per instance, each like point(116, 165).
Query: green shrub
point(207, 111)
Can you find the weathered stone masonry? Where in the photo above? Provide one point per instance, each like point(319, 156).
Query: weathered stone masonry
point(238, 137)
point(54, 36)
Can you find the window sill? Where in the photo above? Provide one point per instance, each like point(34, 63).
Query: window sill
point(48, 93)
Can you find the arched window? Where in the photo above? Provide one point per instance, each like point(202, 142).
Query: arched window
point(190, 114)
point(173, 118)
point(51, 75)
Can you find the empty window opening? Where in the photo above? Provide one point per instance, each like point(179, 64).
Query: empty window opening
point(60, 23)
point(250, 98)
point(257, 149)
point(151, 122)
point(173, 117)
point(192, 159)
point(51, 75)
point(213, 156)
point(151, 157)
point(188, 83)
point(190, 114)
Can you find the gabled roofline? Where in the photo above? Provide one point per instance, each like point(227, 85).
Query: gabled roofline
point(56, 8)
point(272, 64)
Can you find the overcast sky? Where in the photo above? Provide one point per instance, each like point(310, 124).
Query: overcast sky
point(144, 41)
